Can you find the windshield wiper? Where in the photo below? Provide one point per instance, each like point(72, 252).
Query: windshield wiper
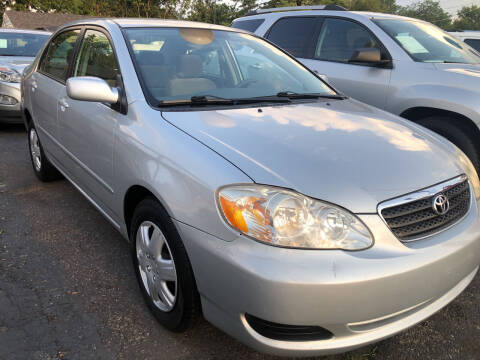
point(294, 95)
point(197, 100)
point(217, 100)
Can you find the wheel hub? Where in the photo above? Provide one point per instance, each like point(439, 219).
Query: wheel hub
point(156, 266)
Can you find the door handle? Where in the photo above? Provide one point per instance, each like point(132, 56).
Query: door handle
point(63, 104)
point(34, 86)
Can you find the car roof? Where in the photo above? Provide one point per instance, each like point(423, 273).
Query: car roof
point(467, 33)
point(137, 22)
point(25, 31)
point(340, 13)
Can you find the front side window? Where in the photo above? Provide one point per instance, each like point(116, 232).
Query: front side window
point(21, 44)
point(294, 34)
point(59, 55)
point(96, 58)
point(182, 63)
point(474, 43)
point(425, 42)
point(339, 39)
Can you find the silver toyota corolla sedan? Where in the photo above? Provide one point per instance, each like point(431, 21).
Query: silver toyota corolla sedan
point(18, 49)
point(297, 220)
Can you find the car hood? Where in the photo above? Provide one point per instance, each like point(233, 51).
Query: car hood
point(341, 151)
point(16, 62)
point(469, 74)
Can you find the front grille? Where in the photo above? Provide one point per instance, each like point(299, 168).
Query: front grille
point(416, 219)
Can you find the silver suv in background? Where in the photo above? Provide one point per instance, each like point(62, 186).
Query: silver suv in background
point(18, 49)
point(406, 66)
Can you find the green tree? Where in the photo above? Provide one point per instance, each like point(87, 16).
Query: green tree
point(360, 5)
point(428, 10)
point(216, 12)
point(468, 18)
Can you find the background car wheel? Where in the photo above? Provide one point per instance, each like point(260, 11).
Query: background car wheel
point(162, 267)
point(446, 127)
point(44, 170)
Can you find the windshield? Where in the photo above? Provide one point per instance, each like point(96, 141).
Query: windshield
point(425, 42)
point(21, 44)
point(183, 63)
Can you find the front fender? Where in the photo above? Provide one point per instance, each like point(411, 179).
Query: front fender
point(449, 98)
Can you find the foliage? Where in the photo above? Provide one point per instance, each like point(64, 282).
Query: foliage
point(428, 10)
point(360, 5)
point(224, 11)
point(468, 18)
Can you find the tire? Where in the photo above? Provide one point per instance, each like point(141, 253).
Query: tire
point(44, 170)
point(156, 246)
point(446, 127)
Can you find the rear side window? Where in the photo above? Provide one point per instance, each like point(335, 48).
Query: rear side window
point(339, 39)
point(59, 55)
point(96, 58)
point(248, 25)
point(474, 43)
point(295, 35)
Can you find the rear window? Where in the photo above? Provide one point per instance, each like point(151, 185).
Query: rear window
point(474, 43)
point(248, 25)
point(295, 35)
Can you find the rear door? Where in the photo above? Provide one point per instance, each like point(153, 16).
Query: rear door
point(87, 129)
point(45, 86)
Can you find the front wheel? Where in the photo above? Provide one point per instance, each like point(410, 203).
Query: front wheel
point(162, 267)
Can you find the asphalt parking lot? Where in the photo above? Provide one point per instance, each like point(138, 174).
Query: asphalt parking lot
point(67, 289)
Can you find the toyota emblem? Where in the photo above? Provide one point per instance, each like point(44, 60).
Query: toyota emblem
point(440, 204)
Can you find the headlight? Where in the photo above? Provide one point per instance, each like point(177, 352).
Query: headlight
point(10, 75)
point(285, 218)
point(469, 171)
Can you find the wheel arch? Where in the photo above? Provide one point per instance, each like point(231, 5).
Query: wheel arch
point(421, 112)
point(133, 196)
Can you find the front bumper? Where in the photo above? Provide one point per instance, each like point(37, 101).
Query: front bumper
point(11, 113)
point(360, 297)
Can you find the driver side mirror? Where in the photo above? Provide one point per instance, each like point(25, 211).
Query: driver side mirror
point(89, 88)
point(368, 56)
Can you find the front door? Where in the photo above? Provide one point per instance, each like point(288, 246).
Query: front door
point(337, 41)
point(87, 129)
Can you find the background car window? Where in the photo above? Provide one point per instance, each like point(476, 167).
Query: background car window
point(248, 25)
point(59, 55)
point(96, 58)
point(425, 42)
point(294, 34)
point(474, 43)
point(339, 39)
point(21, 44)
